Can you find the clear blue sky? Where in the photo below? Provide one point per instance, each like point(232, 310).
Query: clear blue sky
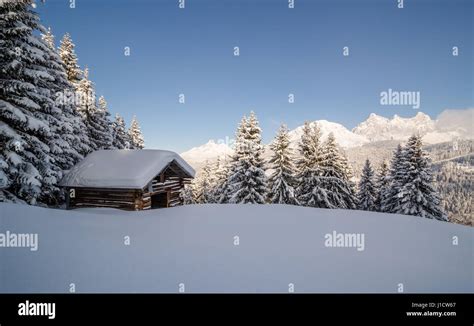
point(282, 51)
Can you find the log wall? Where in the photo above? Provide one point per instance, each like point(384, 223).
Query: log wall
point(127, 199)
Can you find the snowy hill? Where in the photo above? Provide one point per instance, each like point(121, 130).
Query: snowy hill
point(195, 246)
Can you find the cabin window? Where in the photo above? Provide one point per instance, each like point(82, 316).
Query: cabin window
point(159, 200)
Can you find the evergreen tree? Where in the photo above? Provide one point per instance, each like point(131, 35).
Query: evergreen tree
point(103, 118)
point(338, 190)
point(309, 191)
point(135, 134)
point(382, 185)
point(347, 168)
point(202, 190)
point(222, 190)
point(417, 195)
point(70, 139)
point(247, 182)
point(186, 195)
point(121, 139)
point(218, 176)
point(367, 193)
point(94, 117)
point(390, 202)
point(348, 174)
point(69, 60)
point(48, 38)
point(309, 147)
point(70, 100)
point(282, 180)
point(454, 183)
point(27, 165)
point(226, 188)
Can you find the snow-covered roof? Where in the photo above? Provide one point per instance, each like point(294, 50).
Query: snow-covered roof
point(131, 169)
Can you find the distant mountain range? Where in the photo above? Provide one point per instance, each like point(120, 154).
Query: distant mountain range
point(450, 125)
point(377, 128)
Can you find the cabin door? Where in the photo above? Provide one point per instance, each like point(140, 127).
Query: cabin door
point(159, 200)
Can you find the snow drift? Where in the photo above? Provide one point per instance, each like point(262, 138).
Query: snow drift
point(195, 245)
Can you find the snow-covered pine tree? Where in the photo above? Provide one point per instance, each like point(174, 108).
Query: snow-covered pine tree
point(202, 185)
point(59, 120)
point(71, 141)
point(196, 184)
point(207, 184)
point(222, 188)
point(381, 185)
point(70, 78)
point(308, 189)
point(390, 202)
point(283, 177)
point(186, 195)
point(347, 167)
point(309, 147)
point(103, 115)
point(121, 139)
point(28, 167)
point(367, 192)
point(349, 174)
point(454, 184)
point(136, 137)
point(217, 176)
point(48, 38)
point(417, 194)
point(94, 118)
point(247, 181)
point(69, 60)
point(195, 189)
point(337, 188)
point(3, 168)
point(226, 188)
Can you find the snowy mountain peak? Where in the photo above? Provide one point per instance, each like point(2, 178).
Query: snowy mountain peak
point(420, 116)
point(211, 142)
point(375, 117)
point(343, 136)
point(377, 128)
point(210, 151)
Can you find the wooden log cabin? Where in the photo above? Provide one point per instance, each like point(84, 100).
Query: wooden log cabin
point(127, 179)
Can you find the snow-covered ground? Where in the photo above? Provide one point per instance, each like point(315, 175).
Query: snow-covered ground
point(195, 247)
